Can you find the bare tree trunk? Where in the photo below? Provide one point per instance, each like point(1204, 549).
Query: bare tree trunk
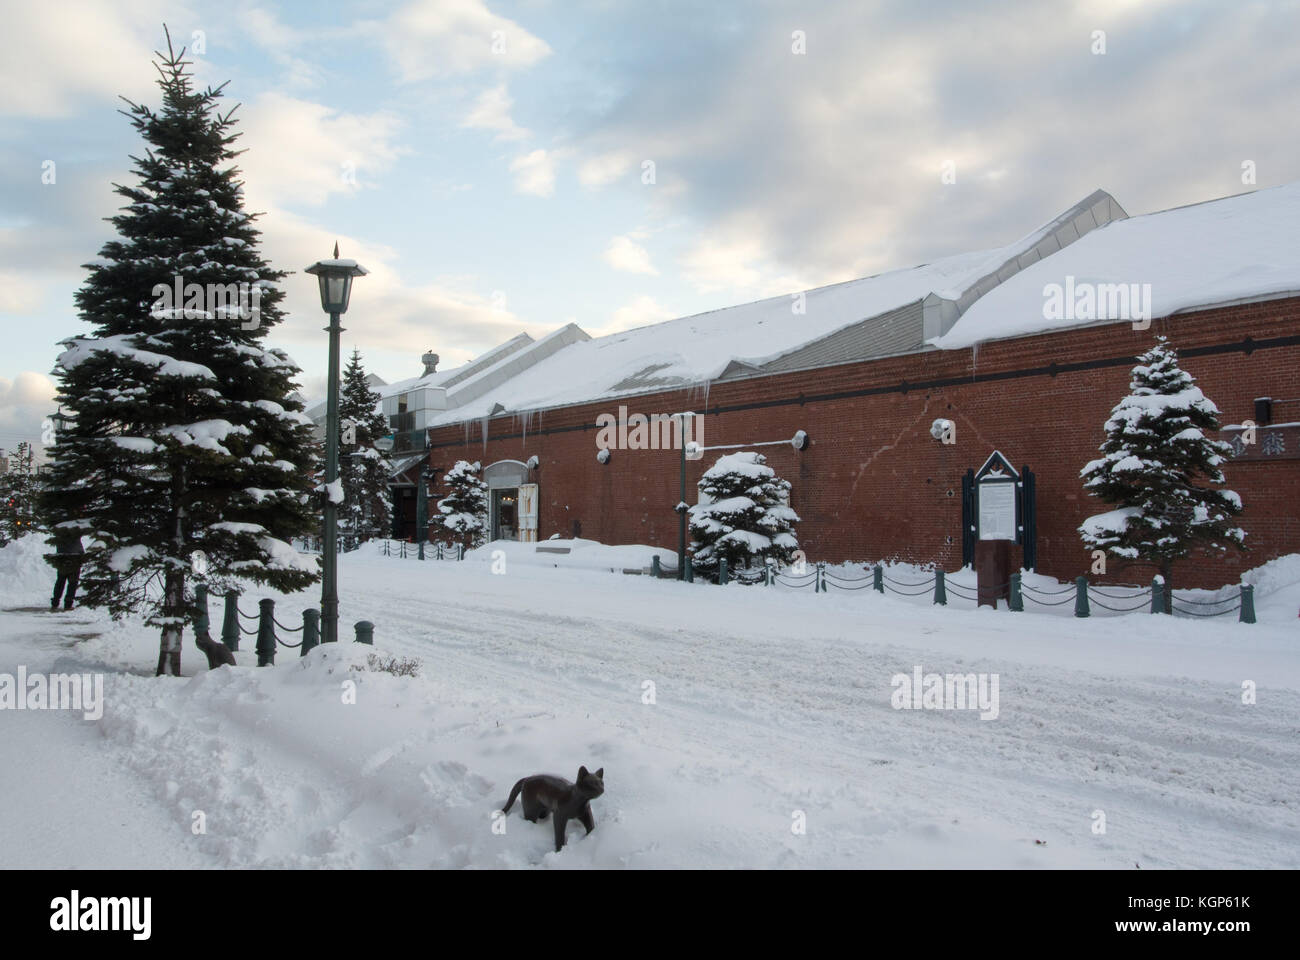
point(169, 652)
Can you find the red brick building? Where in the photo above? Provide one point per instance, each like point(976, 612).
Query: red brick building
point(866, 374)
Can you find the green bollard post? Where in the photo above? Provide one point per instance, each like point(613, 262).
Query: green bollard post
point(310, 629)
point(878, 578)
point(690, 570)
point(940, 588)
point(201, 622)
point(230, 623)
point(1016, 601)
point(266, 633)
point(654, 567)
point(722, 571)
point(365, 632)
point(1081, 608)
point(1247, 614)
point(1157, 595)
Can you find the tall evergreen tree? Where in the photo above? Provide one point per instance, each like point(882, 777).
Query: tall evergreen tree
point(743, 515)
point(19, 487)
point(1156, 450)
point(184, 439)
point(364, 471)
point(462, 514)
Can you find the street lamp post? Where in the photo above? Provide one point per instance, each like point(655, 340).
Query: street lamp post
point(683, 419)
point(422, 509)
point(335, 277)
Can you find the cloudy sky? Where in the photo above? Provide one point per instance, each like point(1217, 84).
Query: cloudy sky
point(507, 165)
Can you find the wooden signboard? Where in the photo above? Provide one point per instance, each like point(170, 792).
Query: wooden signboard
point(1273, 442)
point(996, 493)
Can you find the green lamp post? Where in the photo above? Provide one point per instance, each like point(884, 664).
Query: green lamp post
point(683, 419)
point(422, 509)
point(335, 278)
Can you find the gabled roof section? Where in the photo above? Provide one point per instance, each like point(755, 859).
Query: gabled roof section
point(507, 367)
point(954, 284)
point(453, 375)
point(1231, 250)
point(1095, 210)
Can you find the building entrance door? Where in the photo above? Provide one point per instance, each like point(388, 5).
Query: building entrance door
point(505, 513)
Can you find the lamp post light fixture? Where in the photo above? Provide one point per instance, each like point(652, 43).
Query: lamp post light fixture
point(335, 278)
point(59, 421)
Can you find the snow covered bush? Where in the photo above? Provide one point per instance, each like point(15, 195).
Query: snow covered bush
point(19, 488)
point(462, 514)
point(397, 666)
point(1155, 450)
point(743, 515)
point(363, 470)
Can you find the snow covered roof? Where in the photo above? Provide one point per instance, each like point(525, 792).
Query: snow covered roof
point(1227, 249)
point(751, 337)
point(1244, 247)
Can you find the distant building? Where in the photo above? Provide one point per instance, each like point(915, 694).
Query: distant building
point(317, 412)
point(1022, 349)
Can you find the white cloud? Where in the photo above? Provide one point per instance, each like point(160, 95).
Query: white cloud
point(25, 401)
point(735, 258)
point(604, 169)
point(301, 151)
point(534, 173)
point(387, 312)
point(624, 253)
point(491, 111)
point(430, 38)
point(55, 58)
point(637, 312)
point(18, 293)
point(283, 43)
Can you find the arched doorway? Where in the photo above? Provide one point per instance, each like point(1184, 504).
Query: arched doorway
point(512, 502)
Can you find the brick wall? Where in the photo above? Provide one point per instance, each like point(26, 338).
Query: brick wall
point(874, 484)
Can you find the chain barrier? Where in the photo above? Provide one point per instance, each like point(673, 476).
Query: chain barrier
point(1193, 613)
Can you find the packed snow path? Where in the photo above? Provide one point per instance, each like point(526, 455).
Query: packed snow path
point(770, 709)
point(67, 803)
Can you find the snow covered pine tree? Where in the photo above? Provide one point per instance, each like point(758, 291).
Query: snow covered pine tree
point(183, 437)
point(462, 514)
point(746, 517)
point(19, 489)
point(1155, 449)
point(364, 471)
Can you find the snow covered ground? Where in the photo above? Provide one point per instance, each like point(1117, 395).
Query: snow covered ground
point(771, 708)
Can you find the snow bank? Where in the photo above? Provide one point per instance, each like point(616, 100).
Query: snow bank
point(766, 705)
point(576, 554)
point(25, 577)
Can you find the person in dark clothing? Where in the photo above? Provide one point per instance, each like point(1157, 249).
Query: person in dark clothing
point(67, 562)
